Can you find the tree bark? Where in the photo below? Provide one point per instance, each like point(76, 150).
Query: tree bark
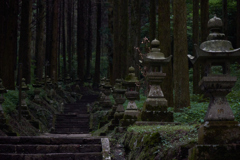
point(64, 41)
point(96, 80)
point(116, 52)
point(48, 34)
point(25, 39)
point(123, 42)
point(204, 19)
point(39, 56)
point(225, 19)
point(54, 49)
point(238, 24)
point(69, 35)
point(196, 67)
point(164, 34)
point(8, 37)
point(89, 39)
point(109, 44)
point(80, 39)
point(134, 33)
point(152, 20)
point(180, 65)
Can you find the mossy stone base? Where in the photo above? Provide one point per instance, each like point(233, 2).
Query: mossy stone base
point(160, 116)
point(219, 132)
point(214, 152)
point(131, 114)
point(127, 122)
point(118, 115)
point(155, 104)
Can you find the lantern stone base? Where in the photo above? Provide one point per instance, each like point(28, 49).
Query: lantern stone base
point(160, 116)
point(219, 132)
point(129, 118)
point(214, 152)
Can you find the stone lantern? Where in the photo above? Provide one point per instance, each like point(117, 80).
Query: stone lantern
point(102, 95)
point(68, 79)
point(220, 133)
point(119, 97)
point(24, 108)
point(2, 90)
point(37, 91)
point(155, 107)
point(131, 113)
point(107, 104)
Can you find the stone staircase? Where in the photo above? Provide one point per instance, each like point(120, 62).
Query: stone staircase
point(75, 119)
point(50, 148)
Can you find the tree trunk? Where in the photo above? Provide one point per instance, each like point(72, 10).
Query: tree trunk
point(116, 52)
point(238, 24)
point(39, 56)
point(64, 41)
point(25, 39)
point(89, 40)
point(59, 40)
point(96, 80)
point(123, 42)
point(54, 49)
point(225, 19)
point(69, 35)
point(8, 34)
point(196, 67)
point(152, 20)
point(134, 33)
point(48, 34)
point(110, 41)
point(80, 39)
point(180, 65)
point(164, 34)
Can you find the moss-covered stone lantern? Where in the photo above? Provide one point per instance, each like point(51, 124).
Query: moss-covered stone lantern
point(24, 108)
point(155, 107)
point(107, 104)
point(119, 97)
point(102, 95)
point(131, 113)
point(220, 134)
point(37, 85)
point(2, 91)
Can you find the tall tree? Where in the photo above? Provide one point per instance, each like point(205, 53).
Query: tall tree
point(204, 19)
point(25, 39)
point(165, 45)
point(80, 39)
point(69, 34)
point(109, 43)
point(225, 18)
point(116, 52)
point(64, 70)
point(238, 23)
point(152, 20)
point(123, 41)
point(196, 67)
point(180, 65)
point(8, 38)
point(134, 34)
point(48, 34)
point(96, 79)
point(39, 56)
point(89, 39)
point(54, 49)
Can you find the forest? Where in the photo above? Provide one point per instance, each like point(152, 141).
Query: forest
point(63, 51)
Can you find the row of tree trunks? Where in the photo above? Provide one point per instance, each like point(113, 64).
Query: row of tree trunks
point(238, 23)
point(8, 38)
point(164, 36)
point(64, 69)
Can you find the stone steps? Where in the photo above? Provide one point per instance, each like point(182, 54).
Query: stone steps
point(50, 148)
